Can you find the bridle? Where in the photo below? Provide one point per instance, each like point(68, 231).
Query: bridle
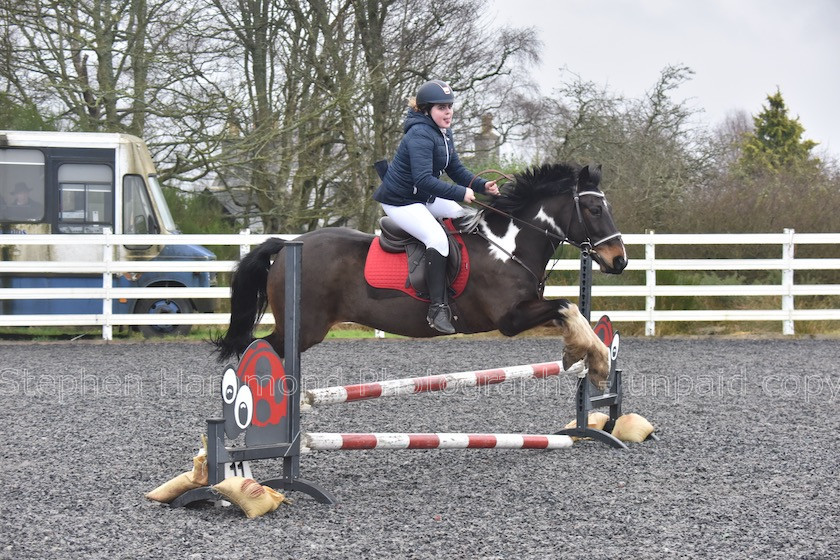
point(551, 235)
point(584, 246)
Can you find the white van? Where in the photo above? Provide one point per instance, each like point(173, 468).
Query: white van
point(67, 183)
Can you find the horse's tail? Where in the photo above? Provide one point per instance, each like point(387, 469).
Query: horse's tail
point(248, 299)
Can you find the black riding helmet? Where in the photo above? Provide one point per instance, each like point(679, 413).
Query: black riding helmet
point(434, 92)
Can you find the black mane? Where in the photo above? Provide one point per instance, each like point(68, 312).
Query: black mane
point(535, 184)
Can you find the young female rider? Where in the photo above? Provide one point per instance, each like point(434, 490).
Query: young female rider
point(413, 196)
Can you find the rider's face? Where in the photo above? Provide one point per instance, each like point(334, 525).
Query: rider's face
point(442, 114)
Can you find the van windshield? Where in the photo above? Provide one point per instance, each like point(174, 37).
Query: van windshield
point(160, 202)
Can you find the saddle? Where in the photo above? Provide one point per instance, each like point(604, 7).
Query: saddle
point(397, 242)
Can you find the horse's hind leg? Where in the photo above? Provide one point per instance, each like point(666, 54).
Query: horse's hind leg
point(277, 341)
point(313, 329)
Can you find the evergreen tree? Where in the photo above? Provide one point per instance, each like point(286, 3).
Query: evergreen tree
point(21, 116)
point(776, 144)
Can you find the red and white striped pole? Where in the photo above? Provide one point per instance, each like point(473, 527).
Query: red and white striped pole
point(337, 442)
point(415, 385)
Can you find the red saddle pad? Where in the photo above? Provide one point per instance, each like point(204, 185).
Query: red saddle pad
point(390, 270)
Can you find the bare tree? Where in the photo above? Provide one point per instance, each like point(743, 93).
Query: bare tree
point(648, 147)
point(334, 77)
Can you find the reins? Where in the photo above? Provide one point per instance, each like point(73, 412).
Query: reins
point(583, 246)
point(512, 217)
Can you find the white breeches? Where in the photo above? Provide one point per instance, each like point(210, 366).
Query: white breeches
point(420, 221)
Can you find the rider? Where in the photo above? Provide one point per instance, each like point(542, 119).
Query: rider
point(413, 196)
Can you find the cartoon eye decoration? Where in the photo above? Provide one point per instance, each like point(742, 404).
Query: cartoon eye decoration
point(243, 408)
point(614, 346)
point(229, 385)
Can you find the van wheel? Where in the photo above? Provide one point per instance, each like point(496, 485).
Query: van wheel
point(162, 307)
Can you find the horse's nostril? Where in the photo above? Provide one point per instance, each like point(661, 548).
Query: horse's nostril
point(619, 263)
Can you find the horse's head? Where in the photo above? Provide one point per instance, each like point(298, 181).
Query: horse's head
point(593, 223)
point(565, 202)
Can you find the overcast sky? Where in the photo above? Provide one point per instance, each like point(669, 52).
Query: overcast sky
point(740, 51)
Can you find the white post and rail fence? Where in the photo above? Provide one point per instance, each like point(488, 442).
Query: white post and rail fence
point(787, 264)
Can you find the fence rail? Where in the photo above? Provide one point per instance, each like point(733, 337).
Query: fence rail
point(787, 289)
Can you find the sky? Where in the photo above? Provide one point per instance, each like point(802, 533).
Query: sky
point(740, 50)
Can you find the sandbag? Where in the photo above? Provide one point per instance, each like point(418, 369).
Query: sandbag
point(632, 427)
point(196, 478)
point(596, 420)
point(252, 497)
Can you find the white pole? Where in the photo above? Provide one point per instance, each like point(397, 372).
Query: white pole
point(107, 284)
point(787, 282)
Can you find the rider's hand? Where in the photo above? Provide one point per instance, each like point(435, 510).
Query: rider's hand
point(469, 196)
point(491, 188)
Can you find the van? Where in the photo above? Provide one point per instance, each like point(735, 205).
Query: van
point(68, 183)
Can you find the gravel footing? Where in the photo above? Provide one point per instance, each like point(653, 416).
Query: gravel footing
point(746, 467)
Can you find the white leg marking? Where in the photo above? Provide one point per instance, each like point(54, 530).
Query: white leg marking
point(581, 341)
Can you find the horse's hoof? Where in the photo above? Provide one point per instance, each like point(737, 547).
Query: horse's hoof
point(599, 370)
point(569, 360)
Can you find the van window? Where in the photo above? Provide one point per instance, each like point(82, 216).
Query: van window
point(21, 186)
point(85, 198)
point(137, 210)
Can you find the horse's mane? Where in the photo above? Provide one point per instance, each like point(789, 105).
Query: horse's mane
point(535, 184)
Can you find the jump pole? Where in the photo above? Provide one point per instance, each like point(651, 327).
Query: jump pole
point(433, 383)
point(336, 442)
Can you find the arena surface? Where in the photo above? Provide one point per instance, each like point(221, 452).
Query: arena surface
point(747, 465)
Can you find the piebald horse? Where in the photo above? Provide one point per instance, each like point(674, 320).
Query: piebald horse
point(509, 243)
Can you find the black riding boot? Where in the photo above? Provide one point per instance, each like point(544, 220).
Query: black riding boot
point(439, 316)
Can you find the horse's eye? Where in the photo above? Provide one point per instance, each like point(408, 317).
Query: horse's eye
point(596, 211)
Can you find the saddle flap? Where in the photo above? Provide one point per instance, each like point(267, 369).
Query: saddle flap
point(394, 239)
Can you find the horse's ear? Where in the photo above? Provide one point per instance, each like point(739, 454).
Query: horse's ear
point(583, 175)
point(590, 175)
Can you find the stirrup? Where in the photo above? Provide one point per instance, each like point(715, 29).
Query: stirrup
point(440, 318)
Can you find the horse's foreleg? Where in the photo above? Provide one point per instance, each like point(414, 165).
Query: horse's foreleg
point(578, 337)
point(581, 341)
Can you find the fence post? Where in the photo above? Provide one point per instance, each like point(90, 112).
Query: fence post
point(107, 284)
point(787, 281)
point(244, 249)
point(650, 282)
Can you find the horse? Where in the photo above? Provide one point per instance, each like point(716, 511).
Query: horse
point(509, 242)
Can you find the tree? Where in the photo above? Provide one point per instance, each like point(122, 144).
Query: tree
point(15, 115)
point(648, 147)
point(287, 101)
point(325, 96)
point(134, 66)
point(764, 178)
point(776, 145)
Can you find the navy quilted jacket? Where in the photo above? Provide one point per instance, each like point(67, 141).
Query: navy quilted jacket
point(424, 153)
